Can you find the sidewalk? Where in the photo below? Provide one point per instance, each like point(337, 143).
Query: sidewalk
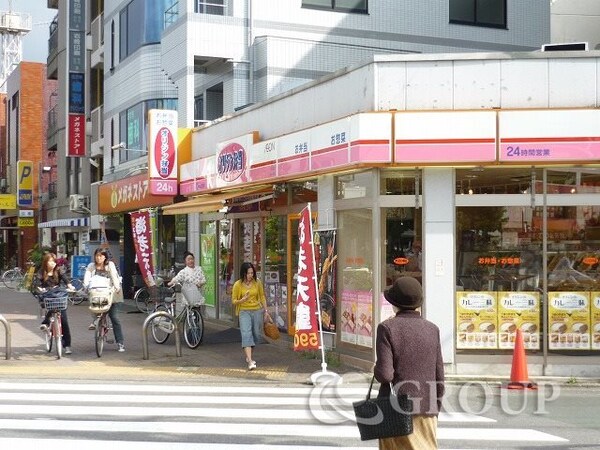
point(220, 356)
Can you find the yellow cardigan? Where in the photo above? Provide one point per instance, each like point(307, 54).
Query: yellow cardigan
point(257, 298)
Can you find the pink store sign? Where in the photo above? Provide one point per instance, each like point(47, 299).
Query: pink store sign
point(550, 149)
point(445, 150)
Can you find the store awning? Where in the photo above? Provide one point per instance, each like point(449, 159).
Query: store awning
point(75, 222)
point(211, 202)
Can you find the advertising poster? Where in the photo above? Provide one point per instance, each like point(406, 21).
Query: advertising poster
point(569, 320)
point(326, 257)
point(364, 319)
point(348, 315)
point(595, 306)
point(385, 309)
point(142, 240)
point(477, 320)
point(207, 262)
point(519, 310)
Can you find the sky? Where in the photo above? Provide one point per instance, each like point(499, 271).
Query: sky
point(35, 43)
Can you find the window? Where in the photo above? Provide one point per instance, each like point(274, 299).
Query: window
point(483, 13)
point(141, 22)
point(356, 6)
point(133, 126)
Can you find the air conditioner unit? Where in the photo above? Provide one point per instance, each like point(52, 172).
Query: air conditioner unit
point(78, 203)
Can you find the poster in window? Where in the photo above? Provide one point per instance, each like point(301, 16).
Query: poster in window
point(477, 320)
point(569, 320)
point(519, 310)
point(595, 314)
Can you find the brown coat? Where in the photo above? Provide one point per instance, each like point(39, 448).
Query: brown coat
point(409, 352)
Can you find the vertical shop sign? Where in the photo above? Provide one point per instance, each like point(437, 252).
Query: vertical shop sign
point(595, 314)
point(24, 183)
point(477, 320)
point(76, 79)
point(142, 240)
point(326, 251)
point(307, 327)
point(519, 310)
point(569, 320)
point(162, 151)
point(207, 262)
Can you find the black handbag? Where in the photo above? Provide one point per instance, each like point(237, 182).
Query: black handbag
point(383, 417)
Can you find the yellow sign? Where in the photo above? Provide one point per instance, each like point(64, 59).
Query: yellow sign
point(26, 221)
point(477, 320)
point(25, 183)
point(8, 201)
point(569, 320)
point(519, 310)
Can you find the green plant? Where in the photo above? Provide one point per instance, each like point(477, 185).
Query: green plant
point(332, 358)
point(572, 380)
point(36, 253)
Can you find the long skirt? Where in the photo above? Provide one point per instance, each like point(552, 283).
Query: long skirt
point(423, 437)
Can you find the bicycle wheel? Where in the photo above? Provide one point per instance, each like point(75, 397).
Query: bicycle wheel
point(100, 334)
point(162, 326)
point(57, 333)
point(142, 300)
point(80, 295)
point(193, 328)
point(48, 339)
point(12, 278)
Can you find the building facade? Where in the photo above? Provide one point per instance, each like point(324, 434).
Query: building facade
point(475, 173)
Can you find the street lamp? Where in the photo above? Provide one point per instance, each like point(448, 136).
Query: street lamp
point(123, 148)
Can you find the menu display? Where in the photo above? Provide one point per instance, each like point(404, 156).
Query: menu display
point(595, 315)
point(569, 320)
point(519, 310)
point(477, 320)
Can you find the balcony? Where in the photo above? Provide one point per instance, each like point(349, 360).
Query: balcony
point(97, 141)
point(52, 63)
point(51, 129)
point(97, 28)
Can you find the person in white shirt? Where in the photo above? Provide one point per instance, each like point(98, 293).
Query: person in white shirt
point(191, 278)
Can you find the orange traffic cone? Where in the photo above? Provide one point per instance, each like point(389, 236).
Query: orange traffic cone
point(519, 378)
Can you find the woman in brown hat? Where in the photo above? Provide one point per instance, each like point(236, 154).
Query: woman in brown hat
point(409, 355)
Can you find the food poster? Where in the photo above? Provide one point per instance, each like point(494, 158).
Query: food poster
point(569, 320)
point(477, 320)
point(519, 310)
point(595, 307)
point(348, 316)
point(364, 319)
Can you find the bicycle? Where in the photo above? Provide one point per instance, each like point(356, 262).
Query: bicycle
point(12, 278)
point(77, 296)
point(100, 303)
point(146, 298)
point(54, 301)
point(191, 317)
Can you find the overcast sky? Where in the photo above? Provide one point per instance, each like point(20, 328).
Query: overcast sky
point(35, 43)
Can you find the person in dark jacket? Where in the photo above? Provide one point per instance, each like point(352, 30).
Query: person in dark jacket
point(409, 355)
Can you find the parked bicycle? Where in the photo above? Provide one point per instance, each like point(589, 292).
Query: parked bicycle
point(190, 316)
point(100, 303)
point(146, 298)
point(80, 294)
point(19, 279)
point(54, 301)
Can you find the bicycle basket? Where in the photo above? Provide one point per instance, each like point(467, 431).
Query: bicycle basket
point(56, 303)
point(100, 300)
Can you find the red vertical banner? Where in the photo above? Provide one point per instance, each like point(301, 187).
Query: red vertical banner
point(142, 240)
point(307, 327)
point(76, 144)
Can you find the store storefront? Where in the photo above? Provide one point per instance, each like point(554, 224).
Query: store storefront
point(169, 234)
point(494, 211)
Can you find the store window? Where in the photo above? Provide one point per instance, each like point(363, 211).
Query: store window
point(403, 244)
point(275, 275)
point(207, 260)
point(226, 274)
point(395, 182)
point(354, 185)
point(355, 277)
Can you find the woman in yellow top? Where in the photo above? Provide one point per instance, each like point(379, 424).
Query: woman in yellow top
point(248, 297)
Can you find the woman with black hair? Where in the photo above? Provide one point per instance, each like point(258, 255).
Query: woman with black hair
point(248, 297)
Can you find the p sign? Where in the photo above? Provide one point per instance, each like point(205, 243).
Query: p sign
point(25, 183)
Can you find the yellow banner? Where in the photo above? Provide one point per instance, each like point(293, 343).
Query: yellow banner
point(8, 201)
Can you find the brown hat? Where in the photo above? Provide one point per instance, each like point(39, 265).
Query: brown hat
point(405, 293)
